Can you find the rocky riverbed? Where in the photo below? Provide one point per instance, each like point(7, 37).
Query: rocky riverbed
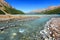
point(23, 27)
point(12, 20)
point(51, 30)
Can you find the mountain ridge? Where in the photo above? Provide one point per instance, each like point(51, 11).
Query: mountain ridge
point(5, 8)
point(50, 8)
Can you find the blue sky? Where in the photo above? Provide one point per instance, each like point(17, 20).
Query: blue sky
point(29, 5)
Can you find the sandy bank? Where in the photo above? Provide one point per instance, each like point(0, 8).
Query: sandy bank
point(7, 17)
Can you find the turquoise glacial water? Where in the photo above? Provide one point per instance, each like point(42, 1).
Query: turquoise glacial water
point(23, 30)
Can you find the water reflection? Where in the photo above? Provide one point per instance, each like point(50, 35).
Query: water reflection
point(21, 30)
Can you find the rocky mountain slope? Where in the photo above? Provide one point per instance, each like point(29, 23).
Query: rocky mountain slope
point(3, 3)
point(5, 8)
point(49, 10)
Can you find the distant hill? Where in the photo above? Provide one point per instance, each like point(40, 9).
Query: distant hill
point(5, 8)
point(56, 10)
point(49, 10)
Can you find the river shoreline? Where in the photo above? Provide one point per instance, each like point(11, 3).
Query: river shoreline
point(8, 17)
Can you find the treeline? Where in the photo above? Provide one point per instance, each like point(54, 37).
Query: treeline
point(13, 11)
point(55, 11)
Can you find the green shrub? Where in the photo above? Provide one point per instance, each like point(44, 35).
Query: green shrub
point(1, 12)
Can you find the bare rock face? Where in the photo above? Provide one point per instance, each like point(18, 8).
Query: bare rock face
point(3, 3)
point(3, 6)
point(51, 30)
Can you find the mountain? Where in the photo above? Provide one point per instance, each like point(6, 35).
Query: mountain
point(49, 10)
point(55, 10)
point(5, 8)
point(40, 10)
point(3, 3)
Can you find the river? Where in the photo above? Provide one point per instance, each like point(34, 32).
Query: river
point(23, 30)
